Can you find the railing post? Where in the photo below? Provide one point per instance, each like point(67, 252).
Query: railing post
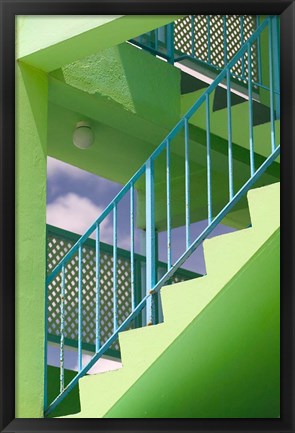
point(45, 402)
point(155, 298)
point(62, 325)
point(97, 288)
point(242, 43)
point(80, 312)
point(170, 43)
point(259, 51)
point(271, 84)
point(150, 240)
point(138, 291)
point(276, 65)
point(225, 40)
point(193, 34)
point(209, 38)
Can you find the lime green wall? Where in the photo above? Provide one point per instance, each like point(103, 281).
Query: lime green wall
point(129, 109)
point(138, 81)
point(119, 117)
point(30, 169)
point(226, 363)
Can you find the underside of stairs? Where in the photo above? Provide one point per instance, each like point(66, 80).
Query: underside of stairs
point(217, 353)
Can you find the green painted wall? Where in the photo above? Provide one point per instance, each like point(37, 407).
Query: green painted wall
point(138, 81)
point(30, 196)
point(71, 404)
point(49, 43)
point(126, 109)
point(226, 363)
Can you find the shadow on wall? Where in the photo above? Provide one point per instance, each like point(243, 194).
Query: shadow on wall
point(71, 404)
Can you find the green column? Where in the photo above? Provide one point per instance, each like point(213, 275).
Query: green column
point(30, 218)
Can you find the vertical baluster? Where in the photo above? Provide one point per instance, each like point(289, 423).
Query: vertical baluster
point(62, 337)
point(252, 163)
point(270, 53)
point(138, 289)
point(97, 283)
point(258, 51)
point(45, 401)
point(229, 131)
point(150, 39)
point(156, 38)
point(187, 185)
point(170, 43)
point(224, 40)
point(242, 43)
point(193, 34)
point(115, 284)
point(209, 192)
point(150, 239)
point(276, 61)
point(208, 38)
point(168, 194)
point(80, 312)
point(132, 265)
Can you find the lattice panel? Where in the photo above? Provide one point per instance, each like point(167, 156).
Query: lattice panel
point(200, 37)
point(234, 43)
point(216, 41)
point(182, 35)
point(57, 248)
point(184, 32)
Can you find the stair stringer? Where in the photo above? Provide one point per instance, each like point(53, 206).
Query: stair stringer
point(225, 255)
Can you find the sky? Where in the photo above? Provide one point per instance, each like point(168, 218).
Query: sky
point(75, 198)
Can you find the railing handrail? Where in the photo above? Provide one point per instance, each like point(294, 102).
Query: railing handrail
point(108, 248)
point(158, 150)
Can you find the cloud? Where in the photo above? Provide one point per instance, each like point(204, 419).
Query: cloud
point(76, 214)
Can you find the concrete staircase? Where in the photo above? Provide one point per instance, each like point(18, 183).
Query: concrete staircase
point(217, 352)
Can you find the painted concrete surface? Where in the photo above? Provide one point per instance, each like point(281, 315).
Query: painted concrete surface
point(226, 364)
point(30, 239)
point(139, 82)
point(142, 348)
point(47, 43)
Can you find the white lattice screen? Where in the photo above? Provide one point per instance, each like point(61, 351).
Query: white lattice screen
point(191, 37)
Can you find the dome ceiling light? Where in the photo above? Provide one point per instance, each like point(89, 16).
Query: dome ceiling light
point(83, 136)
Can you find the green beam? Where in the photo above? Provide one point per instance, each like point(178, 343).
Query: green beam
point(48, 43)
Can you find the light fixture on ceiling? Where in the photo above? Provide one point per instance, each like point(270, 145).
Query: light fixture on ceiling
point(83, 136)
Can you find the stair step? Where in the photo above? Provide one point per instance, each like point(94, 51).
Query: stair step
point(221, 257)
point(225, 256)
point(264, 206)
point(135, 345)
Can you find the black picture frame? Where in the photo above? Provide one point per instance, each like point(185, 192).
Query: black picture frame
point(9, 9)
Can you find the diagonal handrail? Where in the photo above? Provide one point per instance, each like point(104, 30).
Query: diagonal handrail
point(158, 150)
point(153, 287)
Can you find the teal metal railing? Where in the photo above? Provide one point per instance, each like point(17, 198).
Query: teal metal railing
point(146, 173)
point(210, 41)
point(96, 325)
